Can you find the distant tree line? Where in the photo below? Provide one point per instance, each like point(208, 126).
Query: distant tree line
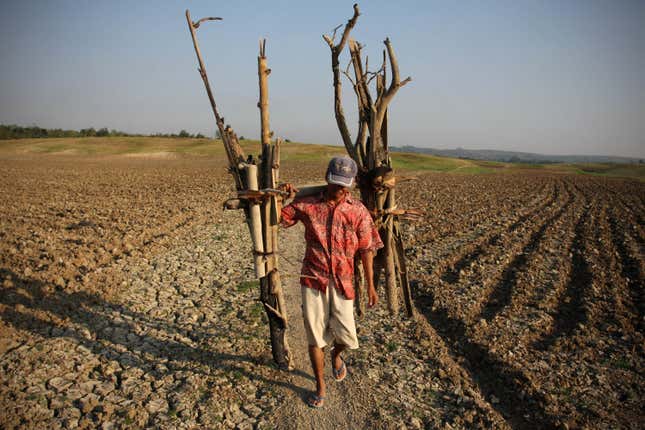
point(19, 132)
point(182, 134)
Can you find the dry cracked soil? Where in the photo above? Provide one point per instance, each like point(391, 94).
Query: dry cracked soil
point(127, 300)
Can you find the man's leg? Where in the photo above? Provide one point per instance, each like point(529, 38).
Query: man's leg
point(336, 360)
point(317, 357)
point(315, 311)
point(341, 321)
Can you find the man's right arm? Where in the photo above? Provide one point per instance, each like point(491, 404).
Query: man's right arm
point(289, 214)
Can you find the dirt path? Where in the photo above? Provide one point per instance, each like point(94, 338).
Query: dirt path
point(393, 379)
point(349, 403)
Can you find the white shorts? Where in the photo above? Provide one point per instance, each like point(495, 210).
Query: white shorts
point(328, 317)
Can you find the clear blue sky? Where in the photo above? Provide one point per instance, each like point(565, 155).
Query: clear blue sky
point(557, 77)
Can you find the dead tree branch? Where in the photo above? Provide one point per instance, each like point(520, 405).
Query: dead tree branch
point(234, 151)
point(210, 18)
point(395, 84)
point(335, 66)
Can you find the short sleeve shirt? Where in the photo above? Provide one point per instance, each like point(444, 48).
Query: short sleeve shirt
point(334, 233)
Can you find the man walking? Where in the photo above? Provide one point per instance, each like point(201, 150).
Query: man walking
point(336, 227)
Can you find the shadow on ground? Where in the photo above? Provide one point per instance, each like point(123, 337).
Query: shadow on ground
point(84, 317)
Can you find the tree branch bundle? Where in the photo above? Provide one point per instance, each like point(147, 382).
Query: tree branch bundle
point(255, 181)
point(370, 151)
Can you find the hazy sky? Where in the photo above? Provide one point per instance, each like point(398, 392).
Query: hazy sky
point(557, 77)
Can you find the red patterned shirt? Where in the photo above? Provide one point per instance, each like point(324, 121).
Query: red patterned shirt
point(334, 233)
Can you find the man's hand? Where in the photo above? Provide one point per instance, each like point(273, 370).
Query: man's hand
point(372, 297)
point(289, 188)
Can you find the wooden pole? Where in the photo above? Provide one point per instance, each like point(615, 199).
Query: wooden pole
point(267, 155)
point(391, 286)
point(402, 269)
point(271, 293)
point(254, 221)
point(359, 286)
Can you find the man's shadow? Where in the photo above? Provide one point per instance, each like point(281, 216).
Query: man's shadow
point(30, 306)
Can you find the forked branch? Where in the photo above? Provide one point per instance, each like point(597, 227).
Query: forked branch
point(396, 82)
point(335, 65)
point(196, 24)
point(387, 95)
point(348, 28)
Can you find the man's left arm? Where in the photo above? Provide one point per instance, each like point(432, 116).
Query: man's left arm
point(367, 258)
point(368, 242)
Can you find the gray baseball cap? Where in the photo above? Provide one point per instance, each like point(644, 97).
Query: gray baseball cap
point(341, 171)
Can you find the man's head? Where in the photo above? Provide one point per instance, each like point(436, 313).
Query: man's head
point(340, 176)
point(341, 171)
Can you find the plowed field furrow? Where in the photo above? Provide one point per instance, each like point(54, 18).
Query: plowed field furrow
point(480, 283)
point(557, 339)
point(548, 295)
point(634, 210)
point(466, 205)
point(455, 249)
point(574, 362)
point(630, 270)
point(513, 394)
point(552, 197)
point(476, 282)
point(542, 283)
point(635, 222)
point(520, 197)
point(622, 309)
point(462, 256)
point(570, 311)
point(439, 355)
point(545, 273)
point(600, 310)
point(451, 275)
point(501, 293)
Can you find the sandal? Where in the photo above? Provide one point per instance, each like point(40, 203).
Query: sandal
point(341, 373)
point(315, 401)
